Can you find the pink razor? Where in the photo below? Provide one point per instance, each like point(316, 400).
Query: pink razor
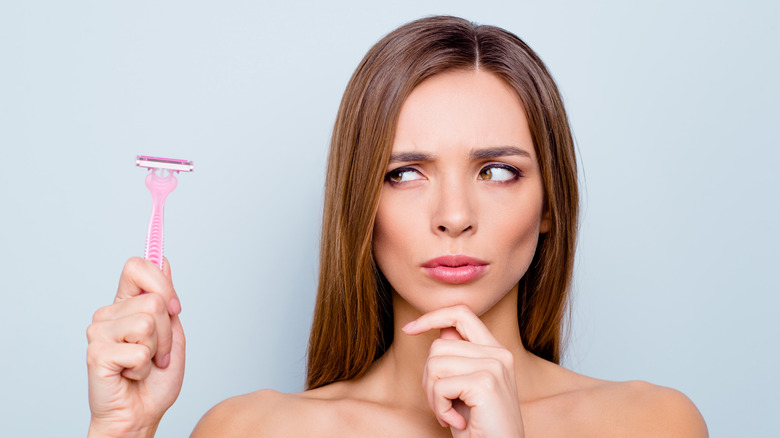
point(161, 185)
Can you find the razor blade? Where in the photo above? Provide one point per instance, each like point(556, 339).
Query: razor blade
point(170, 164)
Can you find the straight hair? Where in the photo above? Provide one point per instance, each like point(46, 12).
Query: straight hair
point(353, 319)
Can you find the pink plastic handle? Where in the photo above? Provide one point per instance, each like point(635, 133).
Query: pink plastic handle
point(160, 186)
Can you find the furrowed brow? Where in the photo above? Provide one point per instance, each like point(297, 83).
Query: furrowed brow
point(496, 152)
point(406, 157)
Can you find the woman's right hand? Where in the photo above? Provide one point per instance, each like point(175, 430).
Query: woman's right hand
point(135, 358)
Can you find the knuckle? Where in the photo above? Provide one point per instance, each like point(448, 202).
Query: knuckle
point(495, 366)
point(92, 332)
point(143, 355)
point(154, 304)
point(133, 264)
point(145, 325)
point(506, 357)
point(487, 380)
point(433, 364)
point(167, 290)
point(436, 386)
point(101, 314)
point(91, 353)
point(436, 346)
point(462, 310)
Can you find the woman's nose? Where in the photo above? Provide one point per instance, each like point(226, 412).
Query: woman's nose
point(454, 213)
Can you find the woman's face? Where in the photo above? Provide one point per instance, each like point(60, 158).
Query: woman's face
point(461, 206)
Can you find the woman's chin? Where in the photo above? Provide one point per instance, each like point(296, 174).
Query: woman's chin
point(438, 298)
point(476, 304)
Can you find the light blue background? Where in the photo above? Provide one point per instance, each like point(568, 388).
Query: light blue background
point(675, 106)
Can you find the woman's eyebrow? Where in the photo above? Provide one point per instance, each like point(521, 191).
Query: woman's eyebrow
point(496, 152)
point(405, 157)
point(476, 154)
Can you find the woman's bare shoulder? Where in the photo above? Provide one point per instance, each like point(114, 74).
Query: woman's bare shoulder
point(271, 413)
point(644, 409)
point(261, 413)
point(594, 407)
point(637, 409)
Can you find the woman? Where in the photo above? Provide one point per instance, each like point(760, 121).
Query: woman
point(447, 251)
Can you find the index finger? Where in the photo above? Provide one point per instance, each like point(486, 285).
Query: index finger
point(461, 318)
point(139, 276)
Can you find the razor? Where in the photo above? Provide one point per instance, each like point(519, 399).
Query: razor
point(161, 181)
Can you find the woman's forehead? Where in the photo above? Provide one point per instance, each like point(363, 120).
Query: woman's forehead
point(462, 109)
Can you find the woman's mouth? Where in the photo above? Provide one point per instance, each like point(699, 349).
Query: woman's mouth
point(455, 269)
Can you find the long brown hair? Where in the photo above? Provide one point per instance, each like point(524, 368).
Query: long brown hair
point(353, 323)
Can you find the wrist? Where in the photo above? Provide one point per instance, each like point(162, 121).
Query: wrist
point(114, 430)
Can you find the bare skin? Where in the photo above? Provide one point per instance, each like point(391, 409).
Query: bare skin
point(463, 182)
point(441, 196)
point(390, 401)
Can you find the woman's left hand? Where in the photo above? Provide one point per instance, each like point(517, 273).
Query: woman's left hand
point(469, 377)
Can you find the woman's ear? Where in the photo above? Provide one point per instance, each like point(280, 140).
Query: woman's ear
point(546, 222)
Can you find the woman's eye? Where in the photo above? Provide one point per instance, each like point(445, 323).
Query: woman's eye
point(499, 173)
point(403, 175)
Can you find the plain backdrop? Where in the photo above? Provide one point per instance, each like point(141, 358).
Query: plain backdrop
point(674, 104)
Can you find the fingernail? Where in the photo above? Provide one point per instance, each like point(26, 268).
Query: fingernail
point(165, 360)
point(174, 306)
point(409, 326)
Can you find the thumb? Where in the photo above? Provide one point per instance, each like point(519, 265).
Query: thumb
point(166, 268)
point(174, 306)
point(179, 342)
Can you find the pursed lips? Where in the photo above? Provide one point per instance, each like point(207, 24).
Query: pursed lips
point(455, 269)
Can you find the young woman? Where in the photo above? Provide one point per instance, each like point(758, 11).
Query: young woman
point(447, 251)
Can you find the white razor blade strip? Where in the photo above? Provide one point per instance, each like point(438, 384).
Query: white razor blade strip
point(163, 163)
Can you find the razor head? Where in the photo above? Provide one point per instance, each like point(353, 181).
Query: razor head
point(171, 164)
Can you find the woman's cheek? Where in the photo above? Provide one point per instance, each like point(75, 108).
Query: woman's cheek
point(391, 235)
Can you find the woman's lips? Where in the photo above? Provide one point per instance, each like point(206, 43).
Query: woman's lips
point(455, 268)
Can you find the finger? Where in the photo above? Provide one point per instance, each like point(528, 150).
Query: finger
point(467, 324)
point(444, 367)
point(446, 347)
point(463, 409)
point(133, 361)
point(174, 372)
point(178, 347)
point(174, 305)
point(138, 372)
point(151, 305)
point(450, 333)
point(166, 268)
point(440, 367)
point(469, 390)
point(444, 392)
point(139, 328)
point(139, 276)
